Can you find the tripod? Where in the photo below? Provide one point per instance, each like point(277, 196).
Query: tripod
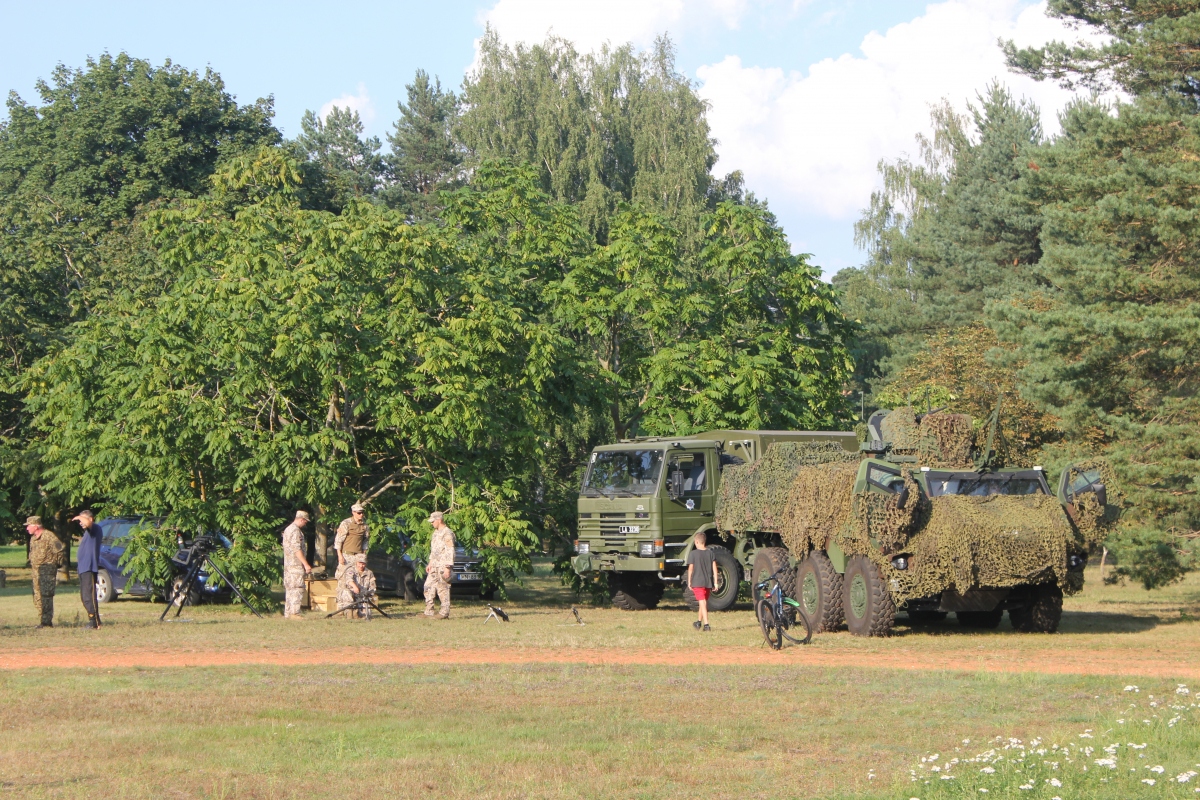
point(363, 602)
point(197, 559)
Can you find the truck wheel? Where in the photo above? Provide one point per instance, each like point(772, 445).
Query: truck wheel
point(628, 593)
point(1042, 613)
point(987, 620)
point(729, 580)
point(870, 610)
point(105, 593)
point(767, 562)
point(819, 590)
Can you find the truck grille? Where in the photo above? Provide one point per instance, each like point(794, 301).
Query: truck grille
point(610, 529)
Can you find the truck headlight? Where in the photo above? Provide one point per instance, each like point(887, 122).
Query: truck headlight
point(900, 562)
point(645, 548)
point(582, 547)
point(1076, 562)
point(658, 547)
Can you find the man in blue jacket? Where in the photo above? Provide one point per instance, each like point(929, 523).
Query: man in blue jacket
point(88, 564)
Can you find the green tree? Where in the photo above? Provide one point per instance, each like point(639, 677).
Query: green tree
point(601, 129)
point(349, 165)
point(1113, 342)
point(108, 141)
point(425, 157)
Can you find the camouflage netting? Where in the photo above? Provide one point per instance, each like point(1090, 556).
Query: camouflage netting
point(879, 517)
point(938, 440)
point(1094, 521)
point(819, 505)
point(996, 541)
point(755, 497)
point(900, 427)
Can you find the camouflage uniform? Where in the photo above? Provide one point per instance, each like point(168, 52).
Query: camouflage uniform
point(346, 588)
point(441, 554)
point(45, 553)
point(293, 570)
point(353, 537)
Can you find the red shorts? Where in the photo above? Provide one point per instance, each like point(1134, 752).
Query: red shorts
point(701, 593)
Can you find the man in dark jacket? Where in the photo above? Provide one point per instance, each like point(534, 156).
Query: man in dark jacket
point(88, 564)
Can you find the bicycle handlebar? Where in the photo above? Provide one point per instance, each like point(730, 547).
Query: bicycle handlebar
point(774, 577)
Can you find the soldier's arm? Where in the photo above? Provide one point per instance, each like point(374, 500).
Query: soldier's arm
point(339, 540)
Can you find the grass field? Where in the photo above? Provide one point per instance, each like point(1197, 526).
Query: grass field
point(794, 726)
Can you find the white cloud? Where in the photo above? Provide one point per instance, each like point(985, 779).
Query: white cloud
point(591, 23)
point(360, 102)
point(812, 141)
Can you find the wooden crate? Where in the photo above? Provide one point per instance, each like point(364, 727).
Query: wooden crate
point(322, 595)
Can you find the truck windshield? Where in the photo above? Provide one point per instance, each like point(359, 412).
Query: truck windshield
point(979, 484)
point(628, 472)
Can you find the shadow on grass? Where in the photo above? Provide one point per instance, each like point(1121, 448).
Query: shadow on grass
point(1073, 622)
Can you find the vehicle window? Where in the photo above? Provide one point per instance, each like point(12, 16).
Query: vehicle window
point(630, 472)
point(695, 475)
point(980, 485)
point(1084, 482)
point(887, 479)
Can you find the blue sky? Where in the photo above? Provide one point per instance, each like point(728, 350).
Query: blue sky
point(807, 96)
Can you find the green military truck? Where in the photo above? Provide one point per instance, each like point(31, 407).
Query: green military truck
point(915, 518)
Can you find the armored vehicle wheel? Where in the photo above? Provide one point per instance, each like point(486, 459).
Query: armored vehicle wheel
point(870, 610)
point(1042, 613)
point(105, 593)
point(629, 593)
point(927, 615)
point(980, 619)
point(819, 590)
point(767, 561)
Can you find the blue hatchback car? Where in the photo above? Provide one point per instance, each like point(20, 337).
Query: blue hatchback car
point(110, 580)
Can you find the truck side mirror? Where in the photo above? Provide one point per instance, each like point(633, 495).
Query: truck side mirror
point(675, 484)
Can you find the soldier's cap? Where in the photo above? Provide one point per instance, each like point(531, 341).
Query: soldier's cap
point(303, 515)
point(360, 558)
point(33, 521)
point(357, 507)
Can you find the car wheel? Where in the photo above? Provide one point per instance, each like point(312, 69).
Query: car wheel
point(179, 596)
point(105, 593)
point(869, 608)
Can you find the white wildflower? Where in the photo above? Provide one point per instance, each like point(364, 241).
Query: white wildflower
point(991, 770)
point(947, 777)
point(1148, 781)
point(1111, 763)
point(1055, 782)
point(1157, 769)
point(1132, 689)
point(1025, 786)
point(1184, 777)
point(1181, 689)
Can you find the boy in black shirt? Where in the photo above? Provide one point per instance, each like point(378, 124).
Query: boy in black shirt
point(701, 577)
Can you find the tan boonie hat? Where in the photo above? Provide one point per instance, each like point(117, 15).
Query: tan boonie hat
point(33, 521)
point(357, 507)
point(360, 558)
point(435, 516)
point(303, 515)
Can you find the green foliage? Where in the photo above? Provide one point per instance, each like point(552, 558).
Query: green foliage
point(349, 164)
point(425, 156)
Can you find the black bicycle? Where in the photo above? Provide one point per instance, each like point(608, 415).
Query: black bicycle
point(777, 614)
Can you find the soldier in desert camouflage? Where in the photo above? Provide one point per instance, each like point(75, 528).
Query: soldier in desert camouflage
point(45, 555)
point(355, 580)
point(353, 537)
point(438, 570)
point(294, 566)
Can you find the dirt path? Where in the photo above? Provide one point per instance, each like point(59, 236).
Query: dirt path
point(1047, 662)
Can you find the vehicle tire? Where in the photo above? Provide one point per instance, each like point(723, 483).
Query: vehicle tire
point(1042, 613)
point(870, 610)
point(409, 589)
point(629, 593)
point(765, 614)
point(105, 593)
point(819, 590)
point(177, 596)
point(927, 615)
point(729, 579)
point(487, 594)
point(768, 561)
point(984, 620)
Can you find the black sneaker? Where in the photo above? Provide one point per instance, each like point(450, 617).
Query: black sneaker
point(696, 624)
point(707, 629)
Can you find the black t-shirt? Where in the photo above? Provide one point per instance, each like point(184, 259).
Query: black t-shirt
point(701, 562)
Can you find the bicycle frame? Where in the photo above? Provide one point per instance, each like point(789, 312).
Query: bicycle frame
point(775, 599)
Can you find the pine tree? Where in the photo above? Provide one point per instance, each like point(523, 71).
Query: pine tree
point(349, 165)
point(425, 158)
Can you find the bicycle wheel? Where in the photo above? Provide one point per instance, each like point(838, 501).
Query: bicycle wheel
point(772, 631)
point(795, 618)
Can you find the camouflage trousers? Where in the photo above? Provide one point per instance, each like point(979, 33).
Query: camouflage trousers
point(45, 578)
point(435, 586)
point(293, 591)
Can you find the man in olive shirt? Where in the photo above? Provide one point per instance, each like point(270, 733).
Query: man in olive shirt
point(353, 537)
point(45, 553)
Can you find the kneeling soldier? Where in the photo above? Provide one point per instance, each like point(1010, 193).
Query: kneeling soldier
point(356, 587)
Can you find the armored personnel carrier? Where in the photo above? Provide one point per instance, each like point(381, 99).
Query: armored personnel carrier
point(914, 518)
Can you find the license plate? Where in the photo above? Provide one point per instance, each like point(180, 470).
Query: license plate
point(631, 529)
point(468, 576)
